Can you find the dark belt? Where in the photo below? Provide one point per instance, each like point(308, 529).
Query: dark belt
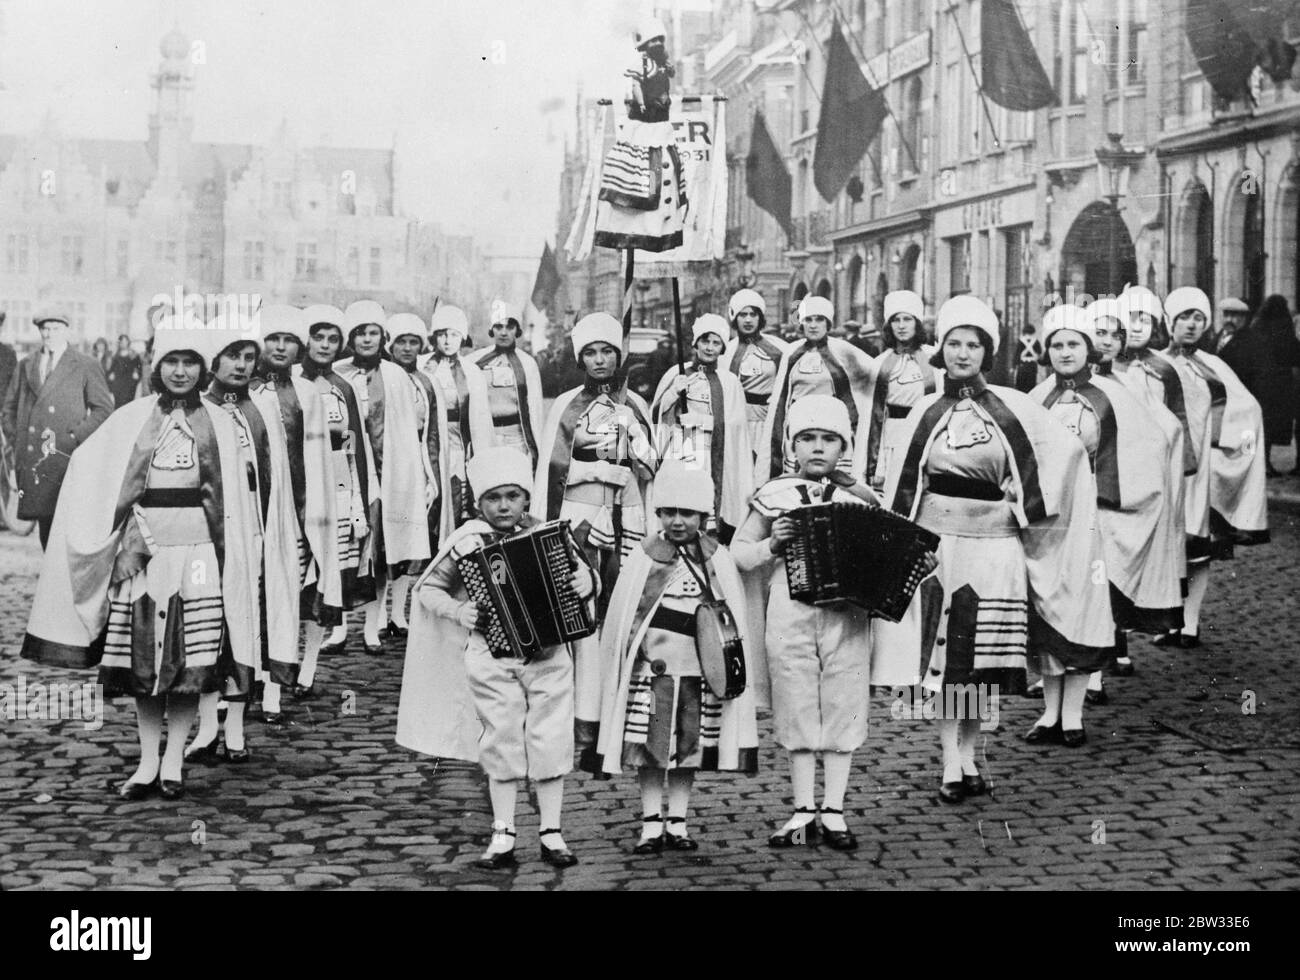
point(899, 411)
point(591, 456)
point(673, 621)
point(500, 420)
point(753, 399)
point(172, 497)
point(336, 441)
point(453, 415)
point(948, 485)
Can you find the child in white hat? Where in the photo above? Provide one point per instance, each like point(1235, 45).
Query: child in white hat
point(597, 459)
point(753, 356)
point(658, 714)
point(819, 657)
point(700, 419)
point(521, 727)
point(818, 365)
point(464, 415)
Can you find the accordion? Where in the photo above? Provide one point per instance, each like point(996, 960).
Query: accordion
point(523, 583)
point(869, 556)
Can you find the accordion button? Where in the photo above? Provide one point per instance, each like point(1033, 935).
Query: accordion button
point(657, 667)
point(940, 642)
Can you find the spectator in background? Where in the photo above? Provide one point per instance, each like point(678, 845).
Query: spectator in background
point(864, 338)
point(124, 372)
point(1233, 314)
point(99, 350)
point(8, 364)
point(58, 397)
point(1266, 356)
point(1031, 353)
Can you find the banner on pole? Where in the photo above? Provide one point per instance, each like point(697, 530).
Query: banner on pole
point(699, 127)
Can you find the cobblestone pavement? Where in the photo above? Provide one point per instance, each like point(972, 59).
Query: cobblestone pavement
point(1152, 801)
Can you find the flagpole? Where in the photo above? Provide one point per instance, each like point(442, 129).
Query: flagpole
point(911, 155)
point(629, 275)
point(812, 86)
point(978, 86)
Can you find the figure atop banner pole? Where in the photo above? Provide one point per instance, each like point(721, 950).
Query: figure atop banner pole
point(659, 192)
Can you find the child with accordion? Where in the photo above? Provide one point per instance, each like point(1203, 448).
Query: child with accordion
point(819, 656)
point(466, 698)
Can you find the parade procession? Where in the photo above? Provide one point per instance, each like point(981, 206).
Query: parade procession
point(720, 510)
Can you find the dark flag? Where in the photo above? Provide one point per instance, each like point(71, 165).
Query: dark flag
point(1223, 48)
point(1263, 21)
point(852, 112)
point(769, 183)
point(1011, 74)
point(548, 280)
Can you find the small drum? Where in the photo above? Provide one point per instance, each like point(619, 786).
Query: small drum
point(722, 658)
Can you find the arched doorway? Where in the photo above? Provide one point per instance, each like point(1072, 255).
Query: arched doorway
point(857, 289)
point(824, 289)
point(882, 287)
point(1194, 259)
point(1097, 257)
point(1286, 238)
point(1244, 253)
point(907, 269)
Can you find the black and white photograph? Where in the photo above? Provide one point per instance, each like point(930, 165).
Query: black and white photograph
point(652, 445)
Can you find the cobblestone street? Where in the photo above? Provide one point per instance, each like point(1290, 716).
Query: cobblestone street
point(1177, 787)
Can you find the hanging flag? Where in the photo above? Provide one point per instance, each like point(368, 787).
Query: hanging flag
point(548, 279)
point(852, 112)
point(1264, 21)
point(768, 182)
point(1223, 48)
point(1011, 74)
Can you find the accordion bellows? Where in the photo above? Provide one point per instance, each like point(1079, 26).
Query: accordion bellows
point(847, 552)
point(523, 582)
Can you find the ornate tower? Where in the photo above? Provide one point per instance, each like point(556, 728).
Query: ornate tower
point(171, 124)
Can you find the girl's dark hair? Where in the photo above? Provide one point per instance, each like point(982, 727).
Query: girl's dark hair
point(238, 343)
point(1093, 356)
point(986, 365)
point(762, 320)
point(887, 333)
point(156, 382)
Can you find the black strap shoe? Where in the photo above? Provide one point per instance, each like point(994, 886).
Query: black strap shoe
point(1073, 737)
point(137, 791)
point(796, 836)
point(650, 845)
point(171, 789)
point(953, 792)
point(838, 840)
point(680, 842)
point(501, 859)
point(975, 785)
point(203, 755)
point(1044, 735)
point(556, 857)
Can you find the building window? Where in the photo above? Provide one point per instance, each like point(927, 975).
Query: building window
point(354, 266)
point(16, 253)
point(164, 250)
point(305, 265)
point(1019, 273)
point(912, 125)
point(254, 254)
point(873, 34)
point(1137, 42)
point(959, 265)
point(79, 319)
point(73, 254)
point(376, 266)
point(281, 194)
point(1079, 49)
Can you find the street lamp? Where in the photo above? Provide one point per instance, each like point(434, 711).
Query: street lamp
point(642, 287)
point(1113, 163)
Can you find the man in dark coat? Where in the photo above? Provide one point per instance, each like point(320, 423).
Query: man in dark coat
point(1266, 357)
point(124, 372)
point(8, 364)
point(58, 397)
